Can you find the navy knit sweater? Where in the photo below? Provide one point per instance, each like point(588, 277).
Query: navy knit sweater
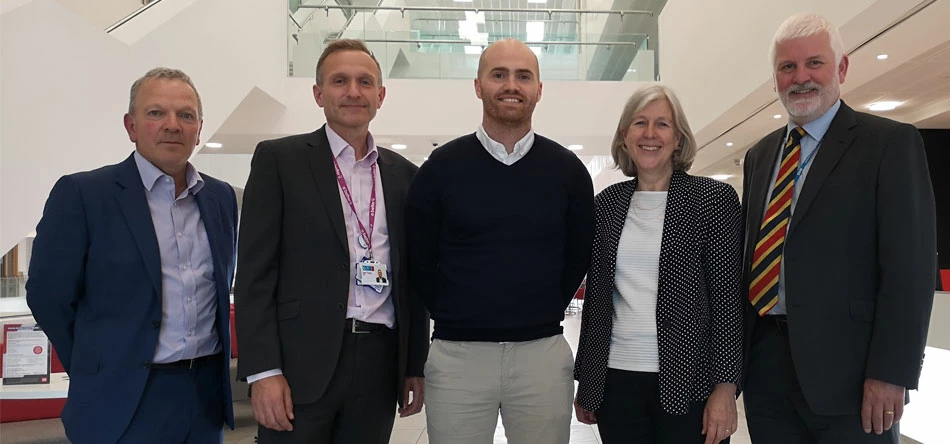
point(496, 252)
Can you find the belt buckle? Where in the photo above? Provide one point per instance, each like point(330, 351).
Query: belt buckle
point(354, 330)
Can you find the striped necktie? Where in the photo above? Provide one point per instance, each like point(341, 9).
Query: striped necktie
point(767, 259)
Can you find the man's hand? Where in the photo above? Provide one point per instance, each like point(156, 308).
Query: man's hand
point(720, 418)
point(416, 386)
point(882, 407)
point(273, 406)
point(584, 416)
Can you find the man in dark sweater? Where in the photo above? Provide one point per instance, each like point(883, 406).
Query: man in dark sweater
point(500, 225)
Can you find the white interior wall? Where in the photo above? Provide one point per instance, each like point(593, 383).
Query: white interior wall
point(70, 86)
point(102, 13)
point(714, 53)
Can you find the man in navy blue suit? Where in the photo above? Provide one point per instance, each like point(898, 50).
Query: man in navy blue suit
point(130, 278)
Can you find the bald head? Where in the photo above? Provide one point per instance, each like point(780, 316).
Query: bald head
point(508, 86)
point(508, 49)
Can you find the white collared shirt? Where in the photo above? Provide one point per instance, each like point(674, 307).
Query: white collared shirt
point(498, 151)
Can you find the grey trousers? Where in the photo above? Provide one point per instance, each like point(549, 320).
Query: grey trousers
point(531, 383)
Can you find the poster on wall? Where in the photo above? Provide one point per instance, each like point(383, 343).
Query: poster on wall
point(26, 359)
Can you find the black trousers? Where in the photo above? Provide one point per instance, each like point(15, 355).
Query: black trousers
point(631, 413)
point(775, 407)
point(180, 405)
point(359, 406)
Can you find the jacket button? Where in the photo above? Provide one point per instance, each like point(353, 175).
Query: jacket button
point(345, 266)
point(340, 306)
point(146, 364)
point(156, 324)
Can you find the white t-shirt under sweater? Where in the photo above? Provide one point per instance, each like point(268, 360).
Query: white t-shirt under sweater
point(633, 343)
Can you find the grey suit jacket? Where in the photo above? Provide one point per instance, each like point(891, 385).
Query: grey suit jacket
point(859, 257)
point(293, 272)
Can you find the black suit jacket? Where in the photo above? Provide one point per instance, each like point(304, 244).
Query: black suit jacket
point(294, 263)
point(698, 307)
point(859, 257)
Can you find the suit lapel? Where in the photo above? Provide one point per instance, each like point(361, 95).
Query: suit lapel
point(130, 195)
point(760, 184)
point(324, 175)
point(393, 201)
point(675, 217)
point(209, 208)
point(836, 141)
point(211, 217)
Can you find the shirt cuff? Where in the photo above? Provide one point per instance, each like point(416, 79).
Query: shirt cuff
point(258, 376)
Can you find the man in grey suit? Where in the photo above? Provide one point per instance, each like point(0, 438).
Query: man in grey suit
point(839, 259)
point(328, 350)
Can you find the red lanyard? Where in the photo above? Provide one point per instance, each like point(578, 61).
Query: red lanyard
point(367, 236)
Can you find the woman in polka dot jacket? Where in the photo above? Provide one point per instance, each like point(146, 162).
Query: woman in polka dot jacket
point(660, 351)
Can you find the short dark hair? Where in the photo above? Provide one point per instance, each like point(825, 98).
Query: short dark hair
point(346, 45)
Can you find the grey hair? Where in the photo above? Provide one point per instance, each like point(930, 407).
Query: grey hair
point(163, 73)
point(683, 154)
point(807, 24)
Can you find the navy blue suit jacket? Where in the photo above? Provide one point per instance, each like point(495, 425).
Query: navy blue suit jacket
point(95, 288)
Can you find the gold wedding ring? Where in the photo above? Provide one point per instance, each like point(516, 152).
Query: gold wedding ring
point(889, 412)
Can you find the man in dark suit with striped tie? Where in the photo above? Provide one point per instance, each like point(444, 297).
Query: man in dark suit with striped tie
point(839, 256)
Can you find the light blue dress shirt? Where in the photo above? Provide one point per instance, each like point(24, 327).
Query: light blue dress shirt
point(188, 289)
point(815, 130)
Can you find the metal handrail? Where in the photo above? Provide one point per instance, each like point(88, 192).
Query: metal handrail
point(131, 16)
point(291, 16)
point(469, 42)
point(550, 12)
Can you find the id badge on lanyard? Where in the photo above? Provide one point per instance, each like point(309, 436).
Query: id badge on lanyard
point(369, 272)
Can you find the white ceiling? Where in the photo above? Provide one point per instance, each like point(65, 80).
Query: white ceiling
point(917, 72)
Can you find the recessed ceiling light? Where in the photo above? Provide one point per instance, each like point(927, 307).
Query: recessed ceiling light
point(882, 56)
point(632, 70)
point(213, 145)
point(729, 144)
point(721, 177)
point(398, 146)
point(777, 116)
point(884, 106)
point(534, 31)
point(575, 147)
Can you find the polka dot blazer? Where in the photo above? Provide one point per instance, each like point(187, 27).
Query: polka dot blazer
point(699, 305)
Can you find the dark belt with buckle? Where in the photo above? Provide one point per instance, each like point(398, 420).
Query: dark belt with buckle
point(187, 363)
point(354, 326)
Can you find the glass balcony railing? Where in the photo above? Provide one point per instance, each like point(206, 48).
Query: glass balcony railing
point(437, 42)
point(12, 287)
